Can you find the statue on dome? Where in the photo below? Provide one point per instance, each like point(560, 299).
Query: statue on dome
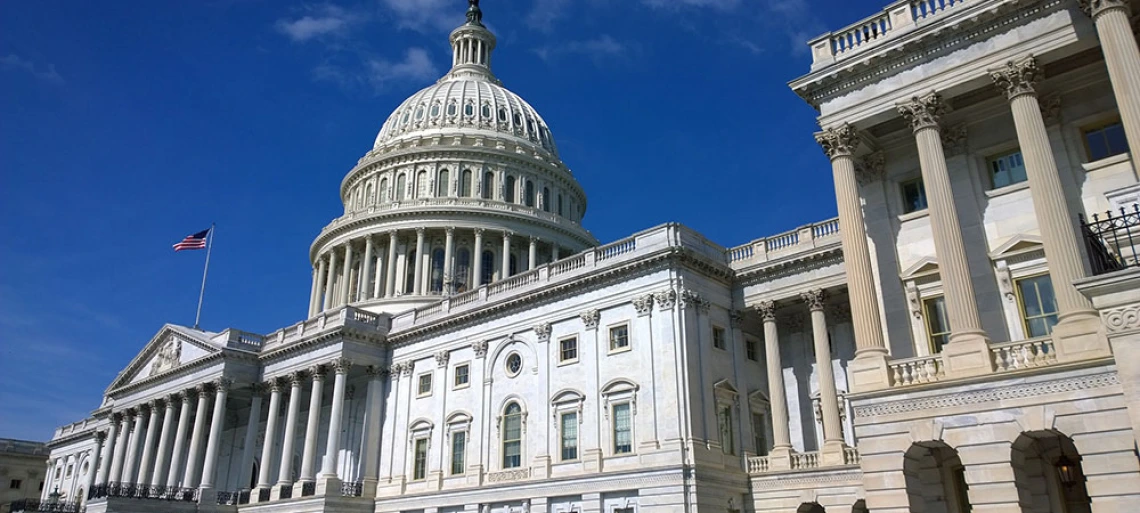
point(474, 14)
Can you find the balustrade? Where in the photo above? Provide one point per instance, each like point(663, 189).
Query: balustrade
point(879, 27)
point(912, 371)
point(805, 460)
point(1023, 354)
point(45, 506)
point(758, 464)
point(352, 488)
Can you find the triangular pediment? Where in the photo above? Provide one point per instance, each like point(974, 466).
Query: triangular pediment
point(171, 348)
point(925, 266)
point(1017, 245)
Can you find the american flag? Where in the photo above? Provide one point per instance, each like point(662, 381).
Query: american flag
point(195, 241)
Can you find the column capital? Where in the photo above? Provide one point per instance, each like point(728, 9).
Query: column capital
point(642, 304)
point(508, 234)
point(923, 111)
point(420, 231)
point(222, 384)
point(155, 404)
point(377, 371)
point(317, 372)
point(341, 365)
point(275, 384)
point(450, 230)
point(297, 378)
point(534, 240)
point(479, 231)
point(838, 141)
point(259, 388)
point(814, 299)
point(132, 412)
point(767, 310)
point(590, 318)
point(480, 348)
point(100, 436)
point(1017, 77)
point(735, 318)
point(542, 331)
point(1095, 8)
point(442, 357)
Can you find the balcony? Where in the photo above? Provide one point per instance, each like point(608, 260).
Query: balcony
point(892, 22)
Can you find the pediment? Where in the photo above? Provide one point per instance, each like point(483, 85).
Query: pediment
point(1017, 245)
point(925, 266)
point(171, 348)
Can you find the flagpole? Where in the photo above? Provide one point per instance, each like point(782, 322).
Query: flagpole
point(202, 292)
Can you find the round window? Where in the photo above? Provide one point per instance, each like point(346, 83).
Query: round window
point(514, 364)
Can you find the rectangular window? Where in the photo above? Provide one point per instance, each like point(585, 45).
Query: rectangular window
point(724, 422)
point(462, 375)
point(759, 430)
point(1105, 141)
point(15, 484)
point(914, 196)
point(1006, 170)
point(458, 448)
point(619, 338)
point(569, 427)
point(419, 470)
point(750, 349)
point(623, 430)
point(568, 349)
point(1038, 305)
point(425, 385)
point(718, 338)
point(937, 324)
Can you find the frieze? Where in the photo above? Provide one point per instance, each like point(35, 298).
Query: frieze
point(168, 357)
point(508, 475)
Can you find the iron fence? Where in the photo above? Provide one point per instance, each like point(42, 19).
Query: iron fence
point(142, 491)
point(45, 506)
point(352, 488)
point(1111, 239)
point(308, 489)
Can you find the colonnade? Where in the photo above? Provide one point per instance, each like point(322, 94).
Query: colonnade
point(388, 265)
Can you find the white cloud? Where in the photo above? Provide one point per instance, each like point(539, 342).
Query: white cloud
point(545, 12)
point(600, 47)
point(330, 20)
point(13, 61)
point(674, 4)
point(425, 15)
point(381, 74)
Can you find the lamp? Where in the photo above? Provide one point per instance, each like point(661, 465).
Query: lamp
point(1067, 470)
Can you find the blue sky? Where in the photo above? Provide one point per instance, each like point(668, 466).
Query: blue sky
point(128, 125)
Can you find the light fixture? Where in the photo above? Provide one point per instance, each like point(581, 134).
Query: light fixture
point(1066, 470)
point(53, 497)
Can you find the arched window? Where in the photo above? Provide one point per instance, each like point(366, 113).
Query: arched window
point(514, 269)
point(529, 193)
point(560, 211)
point(488, 185)
point(383, 190)
point(487, 273)
point(401, 187)
point(437, 270)
point(512, 436)
point(462, 270)
point(509, 194)
point(441, 185)
point(546, 199)
point(422, 187)
point(368, 200)
point(465, 184)
point(410, 273)
point(359, 197)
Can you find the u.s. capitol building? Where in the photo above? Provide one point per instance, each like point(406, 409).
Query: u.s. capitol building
point(956, 340)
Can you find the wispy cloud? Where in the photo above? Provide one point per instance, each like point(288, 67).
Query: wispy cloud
point(545, 12)
point(675, 4)
point(46, 73)
point(380, 74)
point(327, 20)
point(598, 48)
point(426, 15)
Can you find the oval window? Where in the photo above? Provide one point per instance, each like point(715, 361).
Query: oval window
point(502, 114)
point(514, 364)
point(486, 113)
point(451, 109)
point(419, 113)
point(518, 120)
point(434, 110)
point(406, 115)
point(468, 110)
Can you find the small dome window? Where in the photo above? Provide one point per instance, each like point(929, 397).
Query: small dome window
point(435, 110)
point(518, 120)
point(530, 126)
point(419, 113)
point(468, 110)
point(486, 111)
point(502, 114)
point(451, 109)
point(407, 114)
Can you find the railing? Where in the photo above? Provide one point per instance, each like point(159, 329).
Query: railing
point(874, 29)
point(914, 371)
point(338, 317)
point(611, 250)
point(1111, 241)
point(758, 464)
point(805, 460)
point(564, 266)
point(922, 9)
point(451, 202)
point(142, 491)
point(1023, 354)
point(308, 489)
point(851, 456)
point(801, 239)
point(286, 492)
point(352, 488)
point(860, 34)
point(45, 506)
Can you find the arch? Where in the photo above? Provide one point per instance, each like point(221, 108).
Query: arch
point(401, 186)
point(410, 272)
point(1048, 473)
point(530, 193)
point(383, 190)
point(487, 273)
point(461, 279)
point(441, 183)
point(935, 478)
point(368, 199)
point(509, 190)
point(512, 433)
point(465, 184)
point(437, 270)
point(810, 507)
point(458, 417)
point(860, 506)
point(422, 187)
point(567, 395)
point(488, 191)
point(546, 199)
point(618, 385)
point(421, 424)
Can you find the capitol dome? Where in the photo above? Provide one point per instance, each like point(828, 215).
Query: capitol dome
point(462, 188)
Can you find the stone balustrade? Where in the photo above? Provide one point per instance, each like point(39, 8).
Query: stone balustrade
point(804, 238)
point(1023, 354)
point(916, 371)
point(329, 320)
point(800, 461)
point(893, 21)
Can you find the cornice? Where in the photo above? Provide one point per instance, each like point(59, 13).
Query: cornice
point(223, 355)
point(338, 334)
point(796, 263)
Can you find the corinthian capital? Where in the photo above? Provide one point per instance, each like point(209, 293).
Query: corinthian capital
point(814, 299)
point(1095, 8)
point(923, 111)
point(1016, 77)
point(840, 141)
point(767, 310)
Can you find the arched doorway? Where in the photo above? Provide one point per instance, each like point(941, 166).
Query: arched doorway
point(1048, 473)
point(860, 506)
point(935, 479)
point(810, 507)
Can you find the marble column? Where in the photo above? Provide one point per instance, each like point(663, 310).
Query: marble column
point(108, 448)
point(318, 293)
point(478, 258)
point(374, 408)
point(314, 292)
point(96, 465)
point(330, 279)
point(832, 453)
point(251, 429)
point(346, 276)
point(924, 114)
point(378, 271)
point(448, 253)
point(158, 477)
point(1058, 233)
point(390, 280)
point(148, 444)
point(532, 254)
point(263, 474)
point(418, 278)
point(506, 260)
point(135, 429)
point(332, 447)
point(1122, 58)
point(285, 474)
point(313, 422)
point(217, 422)
point(780, 456)
point(179, 440)
point(194, 456)
point(365, 291)
point(554, 252)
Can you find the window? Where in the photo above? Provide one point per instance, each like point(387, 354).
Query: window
point(718, 338)
point(487, 273)
point(750, 349)
point(401, 186)
point(1038, 305)
point(419, 465)
point(937, 324)
point(436, 273)
point(623, 431)
point(568, 349)
point(465, 184)
point(488, 185)
point(1105, 140)
point(41, 486)
point(569, 428)
point(1006, 170)
point(509, 193)
point(434, 110)
point(458, 448)
point(560, 211)
point(442, 183)
point(502, 114)
point(529, 193)
point(423, 188)
point(462, 265)
point(759, 428)
point(15, 484)
point(451, 109)
point(512, 436)
point(724, 426)
point(420, 113)
point(485, 112)
point(619, 338)
point(514, 364)
point(410, 273)
point(469, 110)
point(462, 375)
point(546, 199)
point(914, 196)
point(425, 384)
point(623, 510)
point(70, 467)
point(383, 190)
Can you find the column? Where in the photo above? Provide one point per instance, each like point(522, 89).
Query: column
point(313, 422)
point(418, 279)
point(104, 444)
point(1122, 58)
point(839, 144)
point(263, 476)
point(285, 474)
point(213, 443)
point(329, 279)
point(322, 278)
point(258, 390)
point(832, 453)
point(506, 269)
point(477, 263)
point(780, 457)
point(332, 448)
point(532, 255)
point(448, 252)
point(314, 291)
point(924, 114)
point(148, 444)
point(96, 456)
point(374, 407)
point(160, 459)
point(1058, 234)
point(346, 276)
point(378, 283)
point(134, 427)
point(194, 456)
point(554, 252)
point(179, 441)
point(366, 271)
point(390, 281)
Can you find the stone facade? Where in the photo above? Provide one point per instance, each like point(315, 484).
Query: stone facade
point(22, 471)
